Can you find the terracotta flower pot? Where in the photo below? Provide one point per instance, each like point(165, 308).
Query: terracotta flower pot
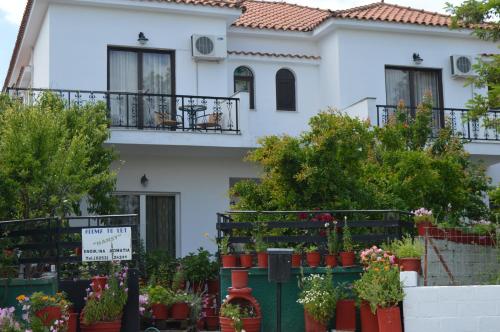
point(200, 324)
point(239, 279)
point(311, 325)
point(389, 319)
point(72, 322)
point(159, 311)
point(369, 321)
point(410, 264)
point(212, 322)
point(331, 260)
point(228, 261)
point(249, 324)
point(114, 326)
point(262, 260)
point(313, 259)
point(345, 315)
point(347, 258)
point(213, 286)
point(98, 283)
point(179, 311)
point(49, 314)
point(296, 260)
point(246, 260)
point(422, 226)
point(209, 312)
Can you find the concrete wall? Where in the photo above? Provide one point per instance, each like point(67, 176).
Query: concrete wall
point(452, 309)
point(41, 56)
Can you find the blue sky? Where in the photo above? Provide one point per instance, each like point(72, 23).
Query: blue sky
point(11, 13)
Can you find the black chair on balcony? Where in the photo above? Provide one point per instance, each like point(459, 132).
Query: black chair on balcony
point(211, 121)
point(164, 120)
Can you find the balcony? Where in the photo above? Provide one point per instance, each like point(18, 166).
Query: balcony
point(148, 111)
point(457, 118)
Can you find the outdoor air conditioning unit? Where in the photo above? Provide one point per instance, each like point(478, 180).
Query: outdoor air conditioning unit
point(461, 66)
point(208, 47)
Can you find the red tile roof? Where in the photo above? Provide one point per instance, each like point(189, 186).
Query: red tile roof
point(213, 3)
point(276, 55)
point(381, 11)
point(280, 16)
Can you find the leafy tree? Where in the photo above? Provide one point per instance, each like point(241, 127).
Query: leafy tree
point(52, 157)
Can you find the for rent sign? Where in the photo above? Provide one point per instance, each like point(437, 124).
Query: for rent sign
point(106, 244)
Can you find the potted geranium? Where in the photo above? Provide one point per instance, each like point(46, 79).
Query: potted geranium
point(313, 256)
point(238, 317)
point(181, 306)
point(246, 259)
point(409, 252)
point(318, 296)
point(333, 247)
point(159, 298)
point(103, 311)
point(347, 256)
point(45, 310)
point(423, 220)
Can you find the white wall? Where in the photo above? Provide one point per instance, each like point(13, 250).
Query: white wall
point(452, 309)
point(41, 56)
point(200, 177)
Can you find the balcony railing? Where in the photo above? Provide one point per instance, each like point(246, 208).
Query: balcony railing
point(151, 111)
point(456, 118)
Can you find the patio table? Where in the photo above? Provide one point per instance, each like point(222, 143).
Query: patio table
point(192, 111)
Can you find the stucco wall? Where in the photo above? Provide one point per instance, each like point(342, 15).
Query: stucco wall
point(41, 56)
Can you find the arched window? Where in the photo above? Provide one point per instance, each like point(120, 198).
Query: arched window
point(243, 81)
point(285, 90)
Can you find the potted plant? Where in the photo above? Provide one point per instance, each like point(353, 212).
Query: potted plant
point(333, 247)
point(246, 258)
point(103, 311)
point(8, 322)
point(318, 296)
point(45, 310)
point(260, 248)
point(197, 269)
point(409, 252)
point(423, 220)
point(297, 255)
point(375, 255)
point(364, 291)
point(345, 312)
point(238, 317)
point(228, 259)
point(312, 256)
point(181, 306)
point(159, 298)
point(347, 256)
point(388, 292)
point(239, 279)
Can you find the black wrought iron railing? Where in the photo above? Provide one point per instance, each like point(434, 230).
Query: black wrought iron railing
point(150, 110)
point(484, 128)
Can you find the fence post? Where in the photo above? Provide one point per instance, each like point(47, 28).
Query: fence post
point(130, 319)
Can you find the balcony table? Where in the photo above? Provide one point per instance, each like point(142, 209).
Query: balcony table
point(192, 111)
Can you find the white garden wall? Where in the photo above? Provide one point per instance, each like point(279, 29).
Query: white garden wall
point(452, 309)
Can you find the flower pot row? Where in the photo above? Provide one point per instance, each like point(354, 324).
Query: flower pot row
point(454, 235)
point(178, 311)
point(313, 259)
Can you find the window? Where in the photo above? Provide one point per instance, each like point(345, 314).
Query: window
point(285, 90)
point(137, 70)
point(244, 82)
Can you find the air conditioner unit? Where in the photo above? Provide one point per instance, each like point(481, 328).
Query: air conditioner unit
point(461, 66)
point(207, 47)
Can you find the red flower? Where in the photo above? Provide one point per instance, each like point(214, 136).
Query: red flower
point(303, 216)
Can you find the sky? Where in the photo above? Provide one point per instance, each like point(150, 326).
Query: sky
point(11, 12)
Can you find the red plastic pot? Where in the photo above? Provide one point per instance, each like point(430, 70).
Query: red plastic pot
point(389, 319)
point(347, 258)
point(200, 324)
point(209, 312)
point(212, 323)
point(422, 226)
point(410, 264)
point(313, 259)
point(49, 314)
point(239, 279)
point(345, 315)
point(179, 311)
point(331, 260)
point(228, 261)
point(98, 283)
point(369, 322)
point(213, 286)
point(249, 324)
point(72, 322)
point(262, 260)
point(246, 260)
point(114, 326)
point(311, 325)
point(296, 260)
point(159, 311)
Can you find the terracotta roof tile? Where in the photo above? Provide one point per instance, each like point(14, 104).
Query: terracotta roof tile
point(276, 55)
point(213, 3)
point(280, 16)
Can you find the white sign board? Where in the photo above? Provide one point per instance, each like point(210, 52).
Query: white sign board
point(106, 244)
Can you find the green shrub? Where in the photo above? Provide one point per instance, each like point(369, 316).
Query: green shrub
point(408, 248)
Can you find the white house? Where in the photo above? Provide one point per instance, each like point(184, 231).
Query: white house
point(192, 84)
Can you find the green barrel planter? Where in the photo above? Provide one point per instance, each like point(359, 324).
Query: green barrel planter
point(12, 288)
point(292, 313)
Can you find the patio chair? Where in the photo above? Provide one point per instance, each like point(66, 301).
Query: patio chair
point(210, 121)
point(165, 120)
